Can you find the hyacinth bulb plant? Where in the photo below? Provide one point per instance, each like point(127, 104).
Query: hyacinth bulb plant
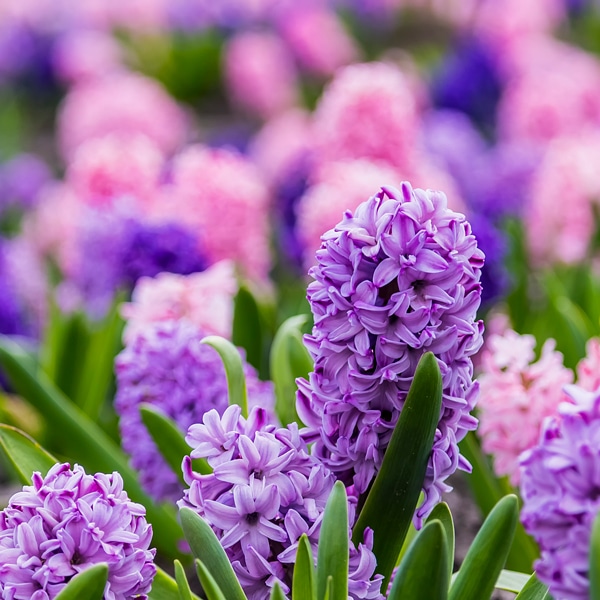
point(345, 504)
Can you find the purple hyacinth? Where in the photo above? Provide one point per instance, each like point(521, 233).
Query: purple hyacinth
point(168, 367)
point(21, 180)
point(560, 486)
point(66, 522)
point(396, 279)
point(265, 491)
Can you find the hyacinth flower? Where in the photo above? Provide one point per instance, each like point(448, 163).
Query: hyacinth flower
point(393, 280)
point(166, 366)
point(264, 493)
point(560, 479)
point(517, 393)
point(66, 522)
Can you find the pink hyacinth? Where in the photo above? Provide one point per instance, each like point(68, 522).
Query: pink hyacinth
point(588, 369)
point(552, 92)
point(205, 299)
point(106, 169)
point(368, 111)
point(317, 38)
point(260, 73)
point(126, 104)
point(222, 193)
point(516, 394)
point(559, 218)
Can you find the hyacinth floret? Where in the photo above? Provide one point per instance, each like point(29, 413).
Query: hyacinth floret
point(265, 491)
point(165, 365)
point(560, 487)
point(395, 279)
point(66, 522)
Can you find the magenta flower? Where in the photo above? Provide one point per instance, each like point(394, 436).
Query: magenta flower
point(66, 522)
point(560, 479)
point(264, 493)
point(396, 279)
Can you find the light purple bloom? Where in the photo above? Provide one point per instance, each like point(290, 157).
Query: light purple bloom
point(168, 367)
point(66, 522)
point(265, 491)
point(396, 279)
point(560, 486)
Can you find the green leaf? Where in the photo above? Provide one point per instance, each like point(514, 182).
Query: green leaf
point(535, 590)
point(169, 440)
point(205, 546)
point(234, 369)
point(332, 554)
point(441, 512)
point(486, 556)
point(511, 581)
point(24, 453)
point(391, 503)
point(329, 589)
point(277, 594)
point(183, 586)
point(424, 572)
point(84, 440)
point(247, 331)
point(209, 585)
point(164, 587)
point(87, 585)
point(595, 560)
point(303, 583)
point(289, 360)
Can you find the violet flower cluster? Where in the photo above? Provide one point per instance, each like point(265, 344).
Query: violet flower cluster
point(66, 522)
point(560, 483)
point(396, 279)
point(166, 366)
point(265, 491)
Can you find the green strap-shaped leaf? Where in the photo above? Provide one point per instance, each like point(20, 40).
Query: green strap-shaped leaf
point(424, 572)
point(486, 556)
point(303, 583)
point(183, 585)
point(205, 546)
point(332, 553)
point(289, 360)
point(277, 594)
point(85, 442)
point(595, 560)
point(512, 581)
point(87, 585)
point(234, 369)
point(209, 585)
point(169, 440)
point(441, 512)
point(164, 587)
point(329, 589)
point(246, 330)
point(24, 453)
point(391, 503)
point(534, 590)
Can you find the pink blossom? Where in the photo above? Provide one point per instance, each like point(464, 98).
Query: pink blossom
point(221, 192)
point(516, 394)
point(317, 38)
point(205, 299)
point(107, 168)
point(260, 73)
point(559, 218)
point(125, 104)
point(588, 369)
point(367, 111)
point(85, 54)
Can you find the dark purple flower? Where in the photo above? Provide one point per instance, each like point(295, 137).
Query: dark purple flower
point(12, 318)
point(168, 367)
point(66, 522)
point(468, 80)
point(560, 486)
point(21, 180)
point(396, 279)
point(265, 491)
